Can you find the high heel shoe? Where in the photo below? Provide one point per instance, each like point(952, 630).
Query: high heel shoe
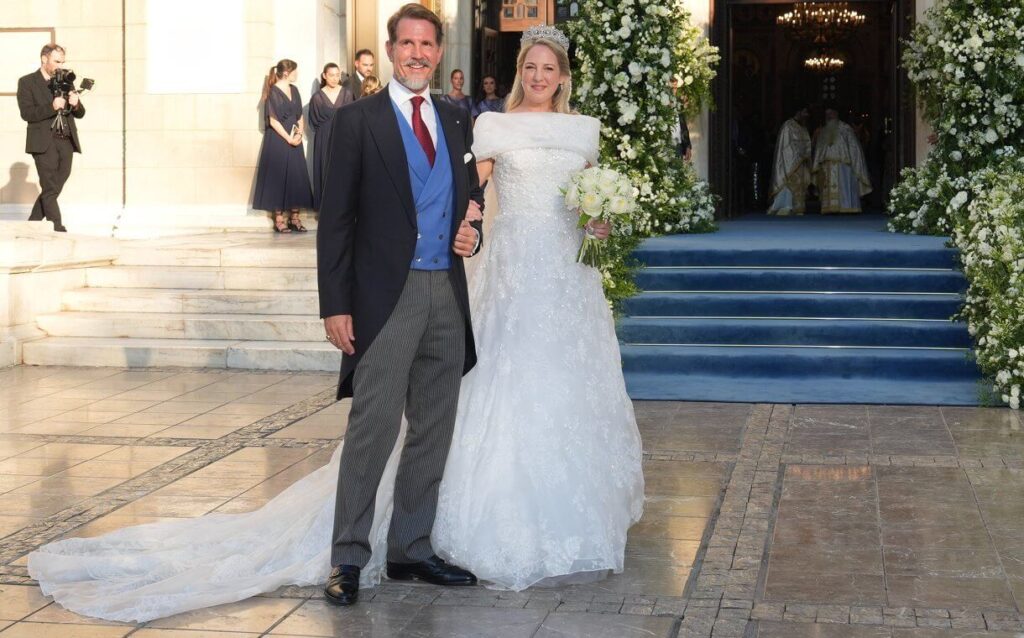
point(280, 226)
point(295, 223)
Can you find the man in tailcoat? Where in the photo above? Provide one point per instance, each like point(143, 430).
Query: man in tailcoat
point(391, 239)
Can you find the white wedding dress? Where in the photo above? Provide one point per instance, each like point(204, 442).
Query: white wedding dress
point(544, 476)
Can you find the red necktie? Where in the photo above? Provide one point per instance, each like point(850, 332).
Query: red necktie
point(420, 129)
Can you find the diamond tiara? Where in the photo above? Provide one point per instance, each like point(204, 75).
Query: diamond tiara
point(546, 32)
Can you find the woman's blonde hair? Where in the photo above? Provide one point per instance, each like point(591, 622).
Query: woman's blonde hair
point(560, 100)
point(370, 85)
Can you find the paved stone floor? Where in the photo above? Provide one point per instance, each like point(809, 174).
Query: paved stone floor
point(767, 521)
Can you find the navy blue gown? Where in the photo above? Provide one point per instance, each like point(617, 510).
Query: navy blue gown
point(282, 181)
point(321, 112)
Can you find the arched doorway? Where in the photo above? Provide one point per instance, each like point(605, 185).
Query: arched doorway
point(762, 81)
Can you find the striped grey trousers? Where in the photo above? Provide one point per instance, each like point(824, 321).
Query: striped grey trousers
point(414, 365)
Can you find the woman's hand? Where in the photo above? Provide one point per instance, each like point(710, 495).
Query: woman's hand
point(599, 230)
point(473, 213)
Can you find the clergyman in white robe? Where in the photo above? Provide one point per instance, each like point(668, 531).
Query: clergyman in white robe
point(791, 174)
point(840, 171)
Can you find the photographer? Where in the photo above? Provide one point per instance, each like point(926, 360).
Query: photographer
point(49, 103)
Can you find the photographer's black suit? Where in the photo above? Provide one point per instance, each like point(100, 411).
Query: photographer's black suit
point(52, 153)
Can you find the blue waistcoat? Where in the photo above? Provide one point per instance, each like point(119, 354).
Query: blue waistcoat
point(433, 192)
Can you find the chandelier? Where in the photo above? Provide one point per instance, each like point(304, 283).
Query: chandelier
point(824, 63)
point(821, 22)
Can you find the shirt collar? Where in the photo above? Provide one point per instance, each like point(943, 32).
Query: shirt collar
point(401, 93)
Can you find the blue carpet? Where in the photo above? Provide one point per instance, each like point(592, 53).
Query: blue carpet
point(787, 310)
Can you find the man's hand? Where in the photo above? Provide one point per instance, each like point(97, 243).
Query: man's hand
point(465, 240)
point(58, 103)
point(73, 99)
point(600, 230)
point(340, 334)
point(473, 212)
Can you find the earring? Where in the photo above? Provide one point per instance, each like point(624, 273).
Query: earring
point(558, 91)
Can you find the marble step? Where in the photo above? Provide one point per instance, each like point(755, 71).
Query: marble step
point(188, 353)
point(269, 255)
point(235, 302)
point(202, 277)
point(155, 325)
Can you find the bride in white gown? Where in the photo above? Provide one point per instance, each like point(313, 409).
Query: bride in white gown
point(544, 475)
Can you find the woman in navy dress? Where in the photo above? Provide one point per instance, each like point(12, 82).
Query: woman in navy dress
point(491, 101)
point(282, 181)
point(331, 96)
point(456, 97)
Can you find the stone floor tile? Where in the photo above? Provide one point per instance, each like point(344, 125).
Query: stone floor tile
point(772, 629)
point(319, 618)
point(57, 615)
point(475, 622)
point(951, 633)
point(937, 561)
point(184, 633)
point(11, 524)
point(252, 615)
point(18, 601)
point(939, 591)
point(51, 630)
point(825, 588)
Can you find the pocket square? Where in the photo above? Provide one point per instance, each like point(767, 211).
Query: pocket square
point(467, 158)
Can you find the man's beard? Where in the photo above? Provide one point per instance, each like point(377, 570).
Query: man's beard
point(413, 84)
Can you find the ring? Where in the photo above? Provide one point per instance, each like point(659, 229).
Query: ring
point(328, 337)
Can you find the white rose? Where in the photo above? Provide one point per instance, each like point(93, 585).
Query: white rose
point(608, 188)
point(618, 205)
point(1019, 60)
point(979, 66)
point(991, 136)
point(635, 69)
point(956, 156)
point(591, 204)
point(572, 198)
point(1014, 403)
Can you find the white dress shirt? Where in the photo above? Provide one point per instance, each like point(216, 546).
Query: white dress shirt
point(402, 97)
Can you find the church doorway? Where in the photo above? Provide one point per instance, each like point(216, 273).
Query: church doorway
point(764, 78)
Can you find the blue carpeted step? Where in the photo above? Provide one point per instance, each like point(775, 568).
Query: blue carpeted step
point(834, 305)
point(796, 257)
point(770, 362)
point(738, 388)
point(801, 279)
point(797, 332)
point(774, 247)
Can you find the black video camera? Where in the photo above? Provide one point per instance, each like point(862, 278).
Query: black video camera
point(63, 82)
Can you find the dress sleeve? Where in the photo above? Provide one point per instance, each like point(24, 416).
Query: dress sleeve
point(319, 110)
point(485, 137)
point(273, 106)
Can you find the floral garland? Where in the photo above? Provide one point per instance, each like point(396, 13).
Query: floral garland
point(628, 53)
point(990, 233)
point(966, 62)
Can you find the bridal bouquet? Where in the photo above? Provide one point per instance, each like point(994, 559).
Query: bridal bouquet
point(604, 195)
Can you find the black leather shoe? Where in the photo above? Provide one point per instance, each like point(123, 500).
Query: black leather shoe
point(343, 585)
point(433, 570)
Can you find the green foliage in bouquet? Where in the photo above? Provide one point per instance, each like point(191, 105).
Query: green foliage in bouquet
point(628, 52)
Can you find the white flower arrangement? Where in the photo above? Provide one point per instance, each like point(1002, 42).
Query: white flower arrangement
point(628, 55)
point(990, 235)
point(604, 195)
point(966, 63)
